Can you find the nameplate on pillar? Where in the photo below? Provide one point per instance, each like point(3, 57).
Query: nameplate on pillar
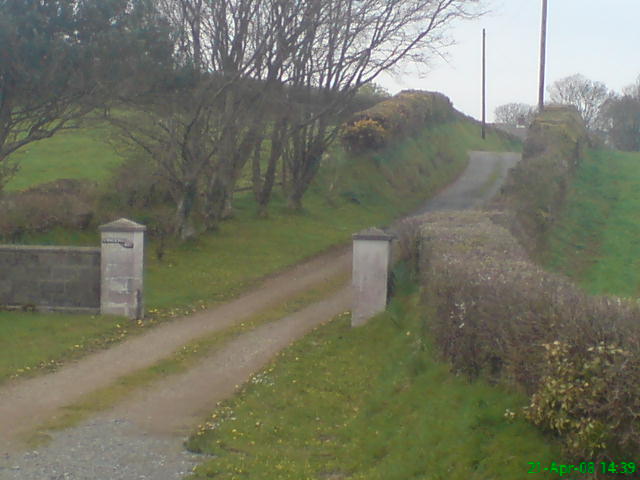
point(119, 241)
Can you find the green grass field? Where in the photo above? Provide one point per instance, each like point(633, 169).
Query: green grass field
point(85, 153)
point(368, 403)
point(217, 266)
point(597, 239)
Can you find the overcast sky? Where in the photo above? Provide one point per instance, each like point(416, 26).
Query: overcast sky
point(598, 38)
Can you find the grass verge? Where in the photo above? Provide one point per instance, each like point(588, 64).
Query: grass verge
point(368, 403)
point(596, 240)
point(31, 342)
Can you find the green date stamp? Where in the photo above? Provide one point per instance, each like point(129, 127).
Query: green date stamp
point(562, 469)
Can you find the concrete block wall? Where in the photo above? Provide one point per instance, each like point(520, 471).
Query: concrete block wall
point(107, 280)
point(50, 278)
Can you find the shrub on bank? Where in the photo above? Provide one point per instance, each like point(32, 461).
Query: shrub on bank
point(62, 203)
point(496, 313)
point(402, 115)
point(135, 191)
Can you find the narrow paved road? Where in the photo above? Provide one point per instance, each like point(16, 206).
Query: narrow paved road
point(477, 184)
point(141, 438)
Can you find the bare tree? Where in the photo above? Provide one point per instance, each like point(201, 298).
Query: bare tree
point(173, 129)
point(516, 114)
point(186, 18)
point(586, 95)
point(620, 118)
point(633, 90)
point(201, 134)
point(274, 79)
point(348, 43)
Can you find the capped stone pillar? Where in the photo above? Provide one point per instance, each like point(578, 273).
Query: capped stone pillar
point(121, 265)
point(371, 259)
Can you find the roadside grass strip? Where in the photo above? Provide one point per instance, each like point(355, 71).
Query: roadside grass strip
point(32, 343)
point(180, 361)
point(368, 403)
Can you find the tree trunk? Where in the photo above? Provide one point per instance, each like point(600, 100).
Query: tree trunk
point(227, 206)
point(285, 186)
point(263, 211)
point(263, 195)
point(259, 187)
point(294, 200)
point(256, 173)
point(7, 171)
point(183, 224)
point(215, 202)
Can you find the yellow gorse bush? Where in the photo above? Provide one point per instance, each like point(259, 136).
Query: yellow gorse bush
point(405, 113)
point(365, 134)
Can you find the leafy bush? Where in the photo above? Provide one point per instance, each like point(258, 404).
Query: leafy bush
point(62, 203)
point(136, 185)
point(138, 191)
point(580, 397)
point(405, 246)
point(498, 314)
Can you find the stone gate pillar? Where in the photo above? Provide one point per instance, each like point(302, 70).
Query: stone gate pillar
point(371, 260)
point(121, 266)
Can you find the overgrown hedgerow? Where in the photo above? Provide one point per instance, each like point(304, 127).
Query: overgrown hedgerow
point(496, 313)
point(535, 189)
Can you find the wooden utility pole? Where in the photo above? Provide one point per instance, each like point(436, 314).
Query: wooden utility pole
point(484, 83)
point(543, 55)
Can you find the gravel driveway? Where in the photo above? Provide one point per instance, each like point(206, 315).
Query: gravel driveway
point(142, 437)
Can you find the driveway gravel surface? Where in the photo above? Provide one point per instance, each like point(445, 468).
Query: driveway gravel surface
point(142, 437)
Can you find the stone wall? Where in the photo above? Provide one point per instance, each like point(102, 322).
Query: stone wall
point(50, 278)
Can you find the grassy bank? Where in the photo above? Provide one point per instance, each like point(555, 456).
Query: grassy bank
point(596, 240)
point(84, 153)
point(368, 403)
point(350, 193)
